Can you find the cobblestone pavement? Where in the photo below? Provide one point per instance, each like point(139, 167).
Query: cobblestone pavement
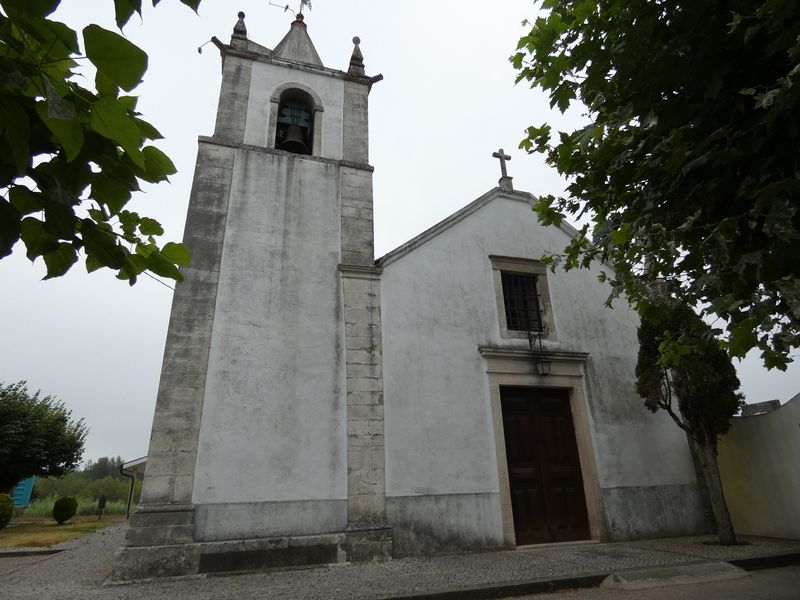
point(82, 569)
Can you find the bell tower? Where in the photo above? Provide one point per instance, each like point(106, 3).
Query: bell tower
point(267, 446)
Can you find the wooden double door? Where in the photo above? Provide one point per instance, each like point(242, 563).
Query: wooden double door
point(544, 470)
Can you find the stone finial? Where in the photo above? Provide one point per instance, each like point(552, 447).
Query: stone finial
point(357, 59)
point(240, 30)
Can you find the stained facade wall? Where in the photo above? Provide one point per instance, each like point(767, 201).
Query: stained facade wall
point(439, 307)
point(273, 416)
point(272, 455)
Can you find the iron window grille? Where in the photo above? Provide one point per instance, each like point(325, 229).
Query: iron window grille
point(521, 300)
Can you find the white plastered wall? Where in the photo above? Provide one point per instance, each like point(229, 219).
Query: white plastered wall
point(439, 306)
point(758, 462)
point(266, 78)
point(273, 424)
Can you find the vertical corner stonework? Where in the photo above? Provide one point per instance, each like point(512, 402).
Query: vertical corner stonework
point(234, 96)
point(355, 133)
point(368, 535)
point(162, 528)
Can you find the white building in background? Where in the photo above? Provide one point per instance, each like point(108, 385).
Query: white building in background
point(317, 405)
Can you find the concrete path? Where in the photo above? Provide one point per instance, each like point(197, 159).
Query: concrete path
point(770, 584)
point(81, 571)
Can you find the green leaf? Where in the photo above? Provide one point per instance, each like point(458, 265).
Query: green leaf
point(108, 191)
point(37, 240)
point(60, 260)
point(25, 201)
point(92, 263)
point(193, 4)
point(124, 10)
point(129, 221)
point(9, 227)
point(110, 118)
point(12, 79)
point(59, 220)
point(743, 338)
point(65, 34)
point(30, 9)
point(97, 215)
point(57, 107)
point(15, 133)
point(104, 85)
point(58, 42)
point(620, 236)
point(102, 245)
point(724, 304)
point(671, 352)
point(120, 60)
point(135, 264)
point(584, 9)
point(148, 131)
point(161, 266)
point(68, 132)
point(148, 226)
point(177, 253)
point(129, 102)
point(157, 164)
point(62, 182)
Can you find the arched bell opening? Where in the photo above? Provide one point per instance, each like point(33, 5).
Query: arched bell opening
point(294, 129)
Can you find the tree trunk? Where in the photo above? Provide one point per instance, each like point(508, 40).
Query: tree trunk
point(708, 512)
point(707, 453)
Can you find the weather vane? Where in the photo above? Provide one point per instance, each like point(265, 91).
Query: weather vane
point(286, 7)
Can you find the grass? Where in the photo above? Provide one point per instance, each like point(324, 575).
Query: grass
point(43, 533)
point(43, 507)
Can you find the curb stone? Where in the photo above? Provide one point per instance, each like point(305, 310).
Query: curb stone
point(21, 553)
point(508, 589)
point(543, 586)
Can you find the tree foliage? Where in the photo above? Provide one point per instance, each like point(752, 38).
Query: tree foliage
point(105, 466)
point(700, 376)
point(689, 164)
point(97, 478)
point(70, 157)
point(73, 484)
point(37, 436)
point(681, 361)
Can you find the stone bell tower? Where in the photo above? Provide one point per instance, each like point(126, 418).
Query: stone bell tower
point(267, 446)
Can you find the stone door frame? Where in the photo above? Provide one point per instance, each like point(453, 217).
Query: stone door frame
point(515, 367)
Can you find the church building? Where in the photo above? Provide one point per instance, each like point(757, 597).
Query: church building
point(317, 405)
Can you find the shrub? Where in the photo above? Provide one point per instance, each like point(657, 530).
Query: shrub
point(6, 509)
point(64, 509)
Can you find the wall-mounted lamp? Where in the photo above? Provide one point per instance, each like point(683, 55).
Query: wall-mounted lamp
point(540, 360)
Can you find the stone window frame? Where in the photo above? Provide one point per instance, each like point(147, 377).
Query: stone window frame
point(318, 109)
point(524, 266)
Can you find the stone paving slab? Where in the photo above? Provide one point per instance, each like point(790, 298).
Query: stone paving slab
point(82, 571)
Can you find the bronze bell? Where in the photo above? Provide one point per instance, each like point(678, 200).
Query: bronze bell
point(294, 140)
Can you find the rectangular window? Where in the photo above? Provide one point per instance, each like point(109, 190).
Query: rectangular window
point(521, 302)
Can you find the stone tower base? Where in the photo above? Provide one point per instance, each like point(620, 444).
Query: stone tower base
point(145, 562)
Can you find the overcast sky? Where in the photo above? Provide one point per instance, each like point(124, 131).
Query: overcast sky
point(447, 102)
